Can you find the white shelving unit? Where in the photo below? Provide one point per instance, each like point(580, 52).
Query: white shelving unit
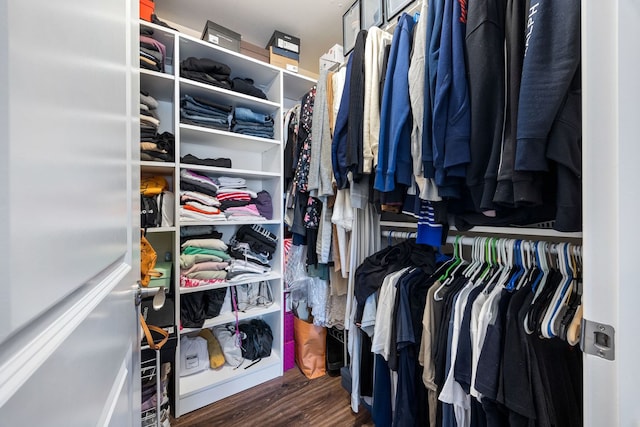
point(257, 160)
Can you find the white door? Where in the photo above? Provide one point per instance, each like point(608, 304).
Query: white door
point(68, 230)
point(611, 128)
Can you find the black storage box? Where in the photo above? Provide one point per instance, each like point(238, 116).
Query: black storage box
point(221, 36)
point(284, 41)
point(164, 318)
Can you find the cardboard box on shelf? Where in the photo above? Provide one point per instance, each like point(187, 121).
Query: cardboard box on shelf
point(221, 36)
point(284, 41)
point(282, 61)
point(285, 52)
point(335, 53)
point(254, 51)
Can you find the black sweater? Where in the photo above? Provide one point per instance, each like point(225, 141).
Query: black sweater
point(485, 67)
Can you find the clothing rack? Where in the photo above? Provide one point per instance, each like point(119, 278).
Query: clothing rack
point(464, 240)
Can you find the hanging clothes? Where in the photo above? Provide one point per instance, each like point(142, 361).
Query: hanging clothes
point(461, 331)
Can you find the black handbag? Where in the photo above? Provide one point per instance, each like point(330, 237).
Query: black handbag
point(150, 215)
point(257, 339)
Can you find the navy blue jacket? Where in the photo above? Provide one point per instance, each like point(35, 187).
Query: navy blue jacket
point(552, 55)
point(451, 112)
point(339, 142)
point(434, 28)
point(394, 149)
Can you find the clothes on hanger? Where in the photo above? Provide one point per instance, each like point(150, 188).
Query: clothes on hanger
point(461, 330)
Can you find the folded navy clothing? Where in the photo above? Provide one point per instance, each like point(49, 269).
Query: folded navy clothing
point(187, 121)
point(198, 109)
point(206, 103)
point(258, 126)
point(201, 118)
point(256, 134)
point(253, 132)
point(247, 87)
point(208, 114)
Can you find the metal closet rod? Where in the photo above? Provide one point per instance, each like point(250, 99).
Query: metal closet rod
point(468, 240)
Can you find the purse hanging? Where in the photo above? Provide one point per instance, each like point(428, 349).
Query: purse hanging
point(147, 333)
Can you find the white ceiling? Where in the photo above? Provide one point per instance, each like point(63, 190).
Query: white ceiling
point(318, 23)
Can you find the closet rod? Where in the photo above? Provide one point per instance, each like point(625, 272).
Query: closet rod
point(465, 241)
point(507, 231)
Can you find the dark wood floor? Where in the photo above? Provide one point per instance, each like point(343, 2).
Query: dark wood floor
point(292, 400)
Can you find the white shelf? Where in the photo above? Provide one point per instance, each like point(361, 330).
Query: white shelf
point(161, 230)
point(296, 85)
point(165, 36)
point(230, 171)
point(214, 377)
point(226, 318)
point(258, 160)
point(227, 97)
point(229, 222)
point(262, 74)
point(158, 85)
point(165, 31)
point(230, 140)
point(258, 278)
point(157, 167)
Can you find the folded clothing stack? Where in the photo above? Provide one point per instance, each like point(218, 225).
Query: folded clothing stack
point(199, 232)
point(204, 198)
point(198, 201)
point(154, 147)
point(249, 122)
point(205, 70)
point(203, 112)
point(159, 148)
point(240, 203)
point(152, 52)
point(149, 120)
point(203, 259)
point(260, 240)
point(246, 86)
point(252, 247)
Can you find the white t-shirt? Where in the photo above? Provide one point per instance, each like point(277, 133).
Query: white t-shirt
point(381, 342)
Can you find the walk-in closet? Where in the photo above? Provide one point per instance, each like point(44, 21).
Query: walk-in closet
point(373, 212)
